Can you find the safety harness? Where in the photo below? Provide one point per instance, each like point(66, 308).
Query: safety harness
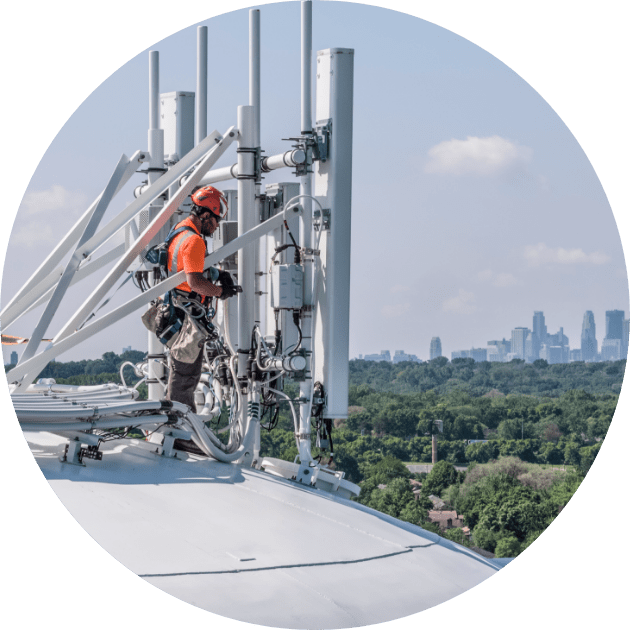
point(176, 303)
point(158, 254)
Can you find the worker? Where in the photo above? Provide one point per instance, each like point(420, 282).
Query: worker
point(187, 252)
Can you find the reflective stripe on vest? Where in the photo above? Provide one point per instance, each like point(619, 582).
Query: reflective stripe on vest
point(173, 267)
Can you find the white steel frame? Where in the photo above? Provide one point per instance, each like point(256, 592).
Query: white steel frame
point(324, 318)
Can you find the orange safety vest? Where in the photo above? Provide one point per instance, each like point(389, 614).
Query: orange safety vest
point(186, 252)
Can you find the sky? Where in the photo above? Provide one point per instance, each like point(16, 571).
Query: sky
point(473, 204)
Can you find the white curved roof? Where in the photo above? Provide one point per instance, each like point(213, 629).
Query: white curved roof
point(208, 532)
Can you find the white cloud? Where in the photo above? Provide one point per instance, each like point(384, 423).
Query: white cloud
point(41, 211)
point(499, 280)
point(26, 236)
point(541, 254)
point(395, 310)
point(54, 200)
point(476, 156)
point(463, 303)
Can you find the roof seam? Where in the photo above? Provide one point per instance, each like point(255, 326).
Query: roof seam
point(282, 566)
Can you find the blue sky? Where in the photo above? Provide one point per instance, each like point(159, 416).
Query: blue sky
point(473, 204)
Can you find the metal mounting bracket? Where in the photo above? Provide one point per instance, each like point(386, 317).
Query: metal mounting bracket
point(269, 205)
point(166, 449)
point(323, 133)
point(74, 451)
point(321, 219)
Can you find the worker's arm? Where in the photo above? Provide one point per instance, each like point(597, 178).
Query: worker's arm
point(200, 284)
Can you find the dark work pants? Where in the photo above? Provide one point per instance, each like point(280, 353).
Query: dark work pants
point(182, 380)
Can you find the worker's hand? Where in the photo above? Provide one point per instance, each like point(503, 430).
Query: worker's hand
point(228, 291)
point(225, 278)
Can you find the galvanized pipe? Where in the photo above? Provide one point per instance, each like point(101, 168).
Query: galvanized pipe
point(306, 239)
point(246, 221)
point(254, 71)
point(201, 102)
point(154, 90)
point(306, 57)
point(254, 101)
point(156, 149)
point(97, 424)
point(289, 159)
point(96, 411)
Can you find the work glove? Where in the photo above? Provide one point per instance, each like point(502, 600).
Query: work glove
point(225, 278)
point(227, 291)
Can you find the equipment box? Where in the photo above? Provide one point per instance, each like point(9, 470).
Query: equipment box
point(287, 286)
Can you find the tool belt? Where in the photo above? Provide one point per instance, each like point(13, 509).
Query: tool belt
point(182, 323)
point(169, 319)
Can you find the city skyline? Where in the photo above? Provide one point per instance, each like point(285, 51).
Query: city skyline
point(616, 326)
point(418, 351)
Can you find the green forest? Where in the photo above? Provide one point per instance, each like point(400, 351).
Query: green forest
point(525, 434)
point(517, 377)
point(514, 440)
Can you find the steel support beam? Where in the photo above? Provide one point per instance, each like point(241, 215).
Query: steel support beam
point(76, 259)
point(24, 374)
point(12, 310)
point(145, 238)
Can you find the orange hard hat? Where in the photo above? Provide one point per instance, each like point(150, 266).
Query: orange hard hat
point(211, 198)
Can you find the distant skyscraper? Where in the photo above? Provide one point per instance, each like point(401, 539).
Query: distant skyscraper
point(532, 352)
point(383, 356)
point(539, 328)
point(14, 358)
point(614, 324)
point(476, 354)
point(614, 345)
point(479, 354)
point(558, 340)
point(589, 338)
point(519, 339)
point(460, 354)
point(401, 355)
point(539, 334)
point(625, 338)
point(611, 350)
point(503, 348)
point(435, 350)
point(553, 354)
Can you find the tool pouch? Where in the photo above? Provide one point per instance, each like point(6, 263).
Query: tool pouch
point(149, 318)
point(188, 343)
